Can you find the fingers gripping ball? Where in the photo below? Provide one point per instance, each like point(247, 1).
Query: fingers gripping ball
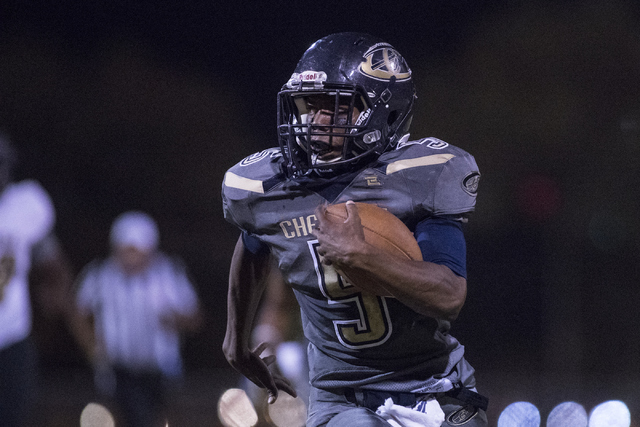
point(383, 230)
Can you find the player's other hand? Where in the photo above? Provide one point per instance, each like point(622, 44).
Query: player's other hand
point(256, 368)
point(338, 241)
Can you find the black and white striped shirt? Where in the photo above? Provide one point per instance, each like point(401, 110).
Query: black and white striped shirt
point(127, 311)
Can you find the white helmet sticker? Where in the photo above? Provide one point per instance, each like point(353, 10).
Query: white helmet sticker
point(316, 77)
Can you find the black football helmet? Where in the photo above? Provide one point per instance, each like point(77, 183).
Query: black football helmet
point(370, 92)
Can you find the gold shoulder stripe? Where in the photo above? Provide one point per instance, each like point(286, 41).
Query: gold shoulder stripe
point(435, 159)
point(242, 183)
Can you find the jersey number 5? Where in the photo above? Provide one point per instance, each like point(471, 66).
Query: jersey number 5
point(372, 327)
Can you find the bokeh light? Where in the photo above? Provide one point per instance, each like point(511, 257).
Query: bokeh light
point(236, 410)
point(520, 414)
point(613, 413)
point(96, 415)
point(568, 414)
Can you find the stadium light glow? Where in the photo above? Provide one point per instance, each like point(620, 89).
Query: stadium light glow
point(520, 414)
point(568, 414)
point(612, 413)
point(96, 415)
point(236, 410)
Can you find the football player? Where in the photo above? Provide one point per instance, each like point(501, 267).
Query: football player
point(343, 129)
point(28, 250)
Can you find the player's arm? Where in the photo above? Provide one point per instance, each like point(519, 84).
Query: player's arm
point(50, 279)
point(247, 281)
point(81, 325)
point(184, 314)
point(274, 317)
point(428, 288)
point(80, 317)
point(188, 323)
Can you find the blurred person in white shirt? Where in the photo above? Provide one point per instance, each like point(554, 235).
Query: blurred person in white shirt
point(27, 218)
point(132, 308)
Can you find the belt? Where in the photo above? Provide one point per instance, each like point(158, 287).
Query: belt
point(373, 399)
point(468, 396)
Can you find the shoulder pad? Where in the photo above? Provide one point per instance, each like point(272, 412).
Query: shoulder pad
point(252, 172)
point(442, 178)
point(252, 176)
point(457, 186)
point(430, 143)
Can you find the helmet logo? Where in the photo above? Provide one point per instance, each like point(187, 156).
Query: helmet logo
point(381, 62)
point(316, 77)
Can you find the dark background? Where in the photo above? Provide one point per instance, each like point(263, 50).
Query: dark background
point(144, 104)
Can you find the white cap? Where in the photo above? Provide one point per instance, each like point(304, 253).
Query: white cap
point(135, 229)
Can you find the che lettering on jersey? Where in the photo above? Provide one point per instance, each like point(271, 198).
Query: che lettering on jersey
point(298, 227)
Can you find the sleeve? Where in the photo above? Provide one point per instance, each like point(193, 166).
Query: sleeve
point(441, 182)
point(236, 198)
point(253, 244)
point(457, 186)
point(245, 183)
point(228, 209)
point(442, 241)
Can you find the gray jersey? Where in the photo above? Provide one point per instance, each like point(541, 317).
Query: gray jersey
point(359, 339)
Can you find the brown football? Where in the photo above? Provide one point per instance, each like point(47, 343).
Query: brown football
point(383, 230)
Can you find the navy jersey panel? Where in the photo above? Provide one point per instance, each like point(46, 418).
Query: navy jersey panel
point(357, 338)
point(253, 244)
point(441, 241)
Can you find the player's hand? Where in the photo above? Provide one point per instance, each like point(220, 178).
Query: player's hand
point(338, 241)
point(256, 369)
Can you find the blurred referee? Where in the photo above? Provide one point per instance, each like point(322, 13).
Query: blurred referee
point(132, 307)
